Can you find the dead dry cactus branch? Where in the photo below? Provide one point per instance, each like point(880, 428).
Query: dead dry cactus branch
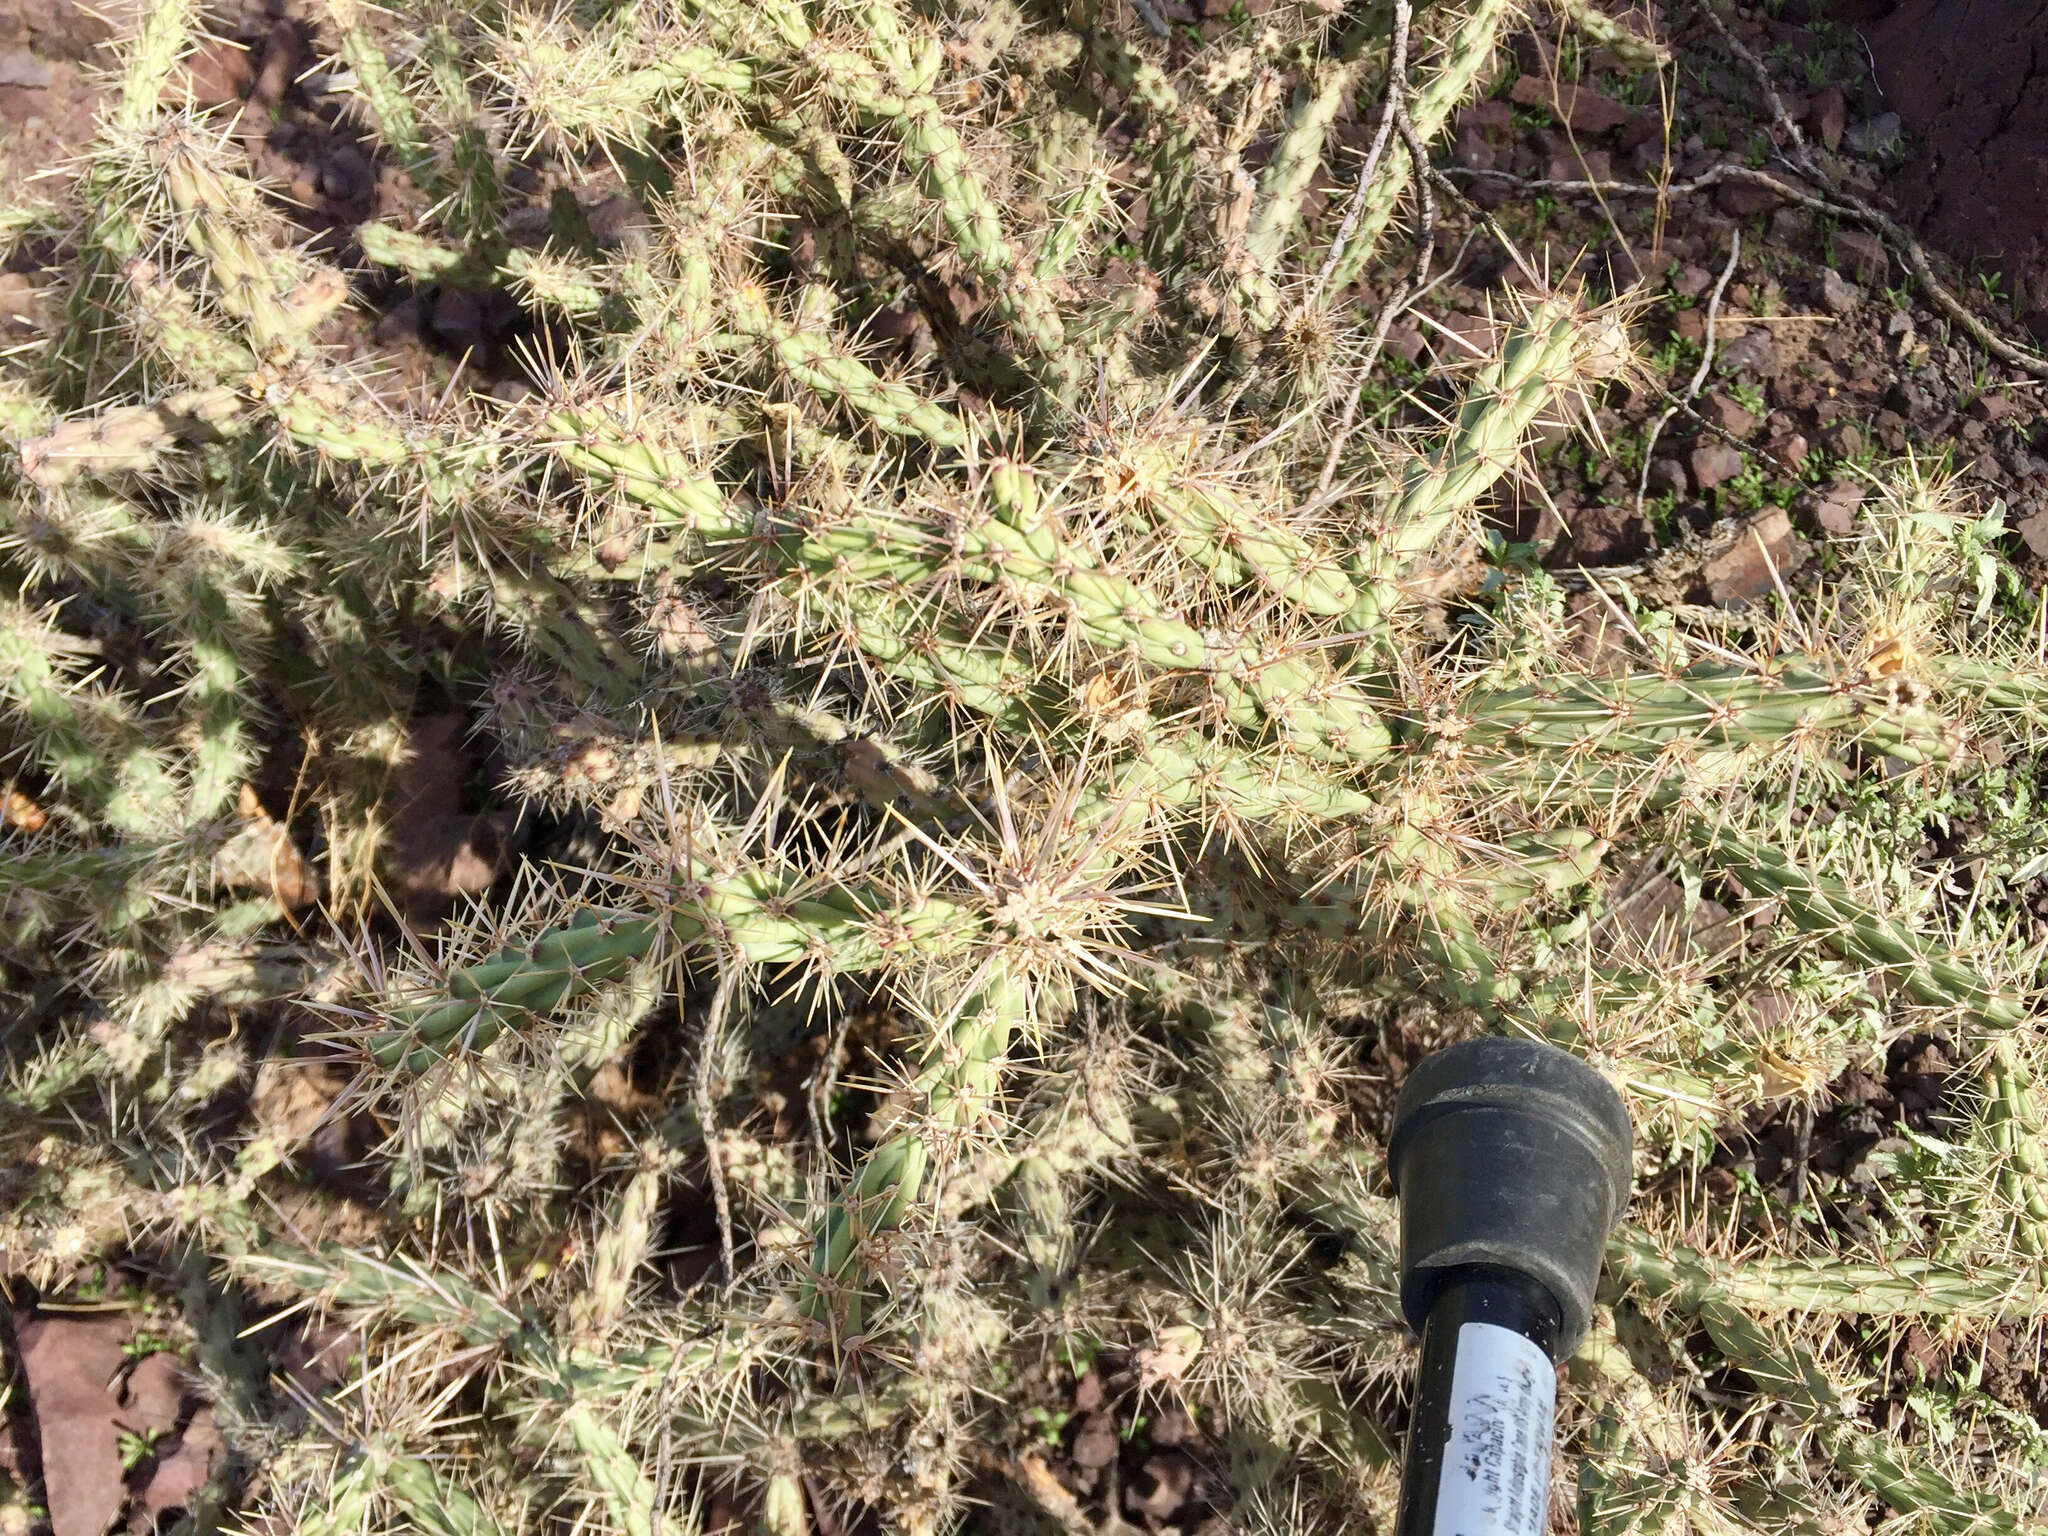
point(1448, 84)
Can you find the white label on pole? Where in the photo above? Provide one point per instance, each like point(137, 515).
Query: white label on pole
point(1496, 1473)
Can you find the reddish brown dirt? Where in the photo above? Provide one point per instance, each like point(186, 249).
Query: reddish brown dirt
point(1969, 78)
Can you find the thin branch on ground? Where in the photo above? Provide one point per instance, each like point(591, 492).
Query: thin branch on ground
point(1841, 206)
point(1699, 377)
point(1397, 75)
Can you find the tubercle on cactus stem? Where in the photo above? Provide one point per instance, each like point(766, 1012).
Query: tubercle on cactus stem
point(167, 320)
point(93, 743)
point(251, 276)
point(1634, 50)
point(768, 919)
point(2015, 1129)
point(888, 83)
point(390, 109)
point(1219, 529)
point(150, 60)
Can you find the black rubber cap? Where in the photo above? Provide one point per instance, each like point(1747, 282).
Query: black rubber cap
point(1513, 1154)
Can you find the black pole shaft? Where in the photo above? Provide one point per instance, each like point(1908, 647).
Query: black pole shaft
point(1478, 1459)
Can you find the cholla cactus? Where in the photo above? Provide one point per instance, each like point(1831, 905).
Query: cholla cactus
point(844, 830)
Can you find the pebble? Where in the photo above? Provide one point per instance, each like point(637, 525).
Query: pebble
point(1838, 296)
point(1729, 417)
point(1689, 282)
point(1862, 256)
point(1834, 508)
point(1745, 570)
point(1827, 115)
point(1844, 438)
point(1583, 111)
point(1750, 355)
point(1715, 464)
point(1667, 475)
point(1875, 135)
point(20, 67)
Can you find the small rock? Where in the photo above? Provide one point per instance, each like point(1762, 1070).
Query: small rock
point(1493, 121)
point(1787, 34)
point(20, 67)
point(1835, 507)
point(404, 321)
point(1690, 325)
point(1471, 336)
point(1667, 475)
point(2034, 532)
point(1745, 569)
point(1827, 115)
point(1624, 269)
point(1862, 256)
point(1745, 199)
point(1643, 128)
point(1844, 438)
point(17, 297)
point(1471, 150)
point(1729, 417)
point(1096, 1445)
point(1606, 534)
point(1750, 355)
point(459, 319)
point(1792, 226)
point(1838, 296)
point(184, 1464)
point(1991, 408)
point(1689, 282)
point(346, 176)
point(218, 73)
point(1580, 109)
point(1406, 341)
point(1535, 53)
point(1581, 165)
point(1172, 1476)
point(1598, 640)
point(70, 1363)
point(1875, 136)
point(1791, 450)
point(1906, 398)
point(1714, 464)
